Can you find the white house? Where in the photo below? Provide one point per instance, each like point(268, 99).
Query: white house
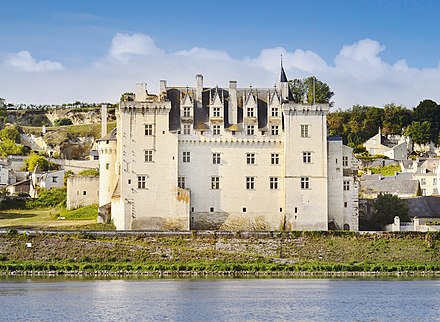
point(225, 158)
point(393, 147)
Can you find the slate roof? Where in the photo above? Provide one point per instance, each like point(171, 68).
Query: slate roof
point(424, 207)
point(401, 184)
point(111, 136)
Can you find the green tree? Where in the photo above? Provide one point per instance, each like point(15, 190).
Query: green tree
point(62, 121)
point(420, 133)
point(429, 111)
point(310, 90)
point(395, 119)
point(31, 162)
point(386, 207)
point(10, 133)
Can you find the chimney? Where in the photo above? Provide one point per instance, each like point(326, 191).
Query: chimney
point(163, 89)
point(103, 120)
point(199, 88)
point(233, 119)
point(141, 92)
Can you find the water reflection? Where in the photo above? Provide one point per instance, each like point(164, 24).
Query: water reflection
point(219, 299)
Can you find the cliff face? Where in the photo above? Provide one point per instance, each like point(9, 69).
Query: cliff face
point(40, 118)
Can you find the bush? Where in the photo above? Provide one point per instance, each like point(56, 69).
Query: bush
point(89, 172)
point(63, 121)
point(49, 198)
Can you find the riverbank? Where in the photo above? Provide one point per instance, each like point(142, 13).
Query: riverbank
point(220, 253)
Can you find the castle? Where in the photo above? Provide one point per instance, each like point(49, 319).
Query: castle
point(224, 158)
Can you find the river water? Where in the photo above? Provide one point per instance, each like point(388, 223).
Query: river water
point(75, 299)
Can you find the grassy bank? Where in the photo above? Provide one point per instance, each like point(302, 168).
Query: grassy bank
point(288, 253)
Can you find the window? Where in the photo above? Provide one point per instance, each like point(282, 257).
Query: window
point(274, 158)
point(215, 183)
point(107, 166)
point(250, 158)
point(211, 209)
point(141, 182)
point(273, 183)
point(305, 183)
point(148, 155)
point(186, 157)
point(84, 193)
point(434, 181)
point(274, 130)
point(250, 130)
point(181, 182)
point(307, 157)
point(274, 111)
point(186, 129)
point(186, 111)
point(216, 158)
point(216, 129)
point(345, 161)
point(423, 181)
point(250, 183)
point(345, 204)
point(96, 157)
point(346, 185)
point(250, 112)
point(148, 129)
point(304, 130)
point(216, 111)
point(54, 179)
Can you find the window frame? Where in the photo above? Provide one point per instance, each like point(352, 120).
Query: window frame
point(142, 181)
point(186, 156)
point(250, 158)
point(305, 183)
point(216, 129)
point(149, 129)
point(216, 111)
point(181, 182)
point(273, 183)
point(307, 157)
point(346, 185)
point(250, 129)
point(305, 130)
point(148, 156)
point(275, 130)
point(215, 182)
point(216, 158)
point(250, 183)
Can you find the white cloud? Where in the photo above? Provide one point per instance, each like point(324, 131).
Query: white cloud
point(358, 75)
point(125, 46)
point(24, 61)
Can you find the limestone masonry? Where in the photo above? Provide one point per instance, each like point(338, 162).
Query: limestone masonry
point(225, 158)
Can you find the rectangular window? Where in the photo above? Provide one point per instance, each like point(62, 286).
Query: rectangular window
point(186, 157)
point(216, 111)
point(216, 129)
point(250, 130)
point(305, 183)
point(274, 130)
point(141, 182)
point(305, 130)
point(250, 112)
point(250, 158)
point(215, 183)
point(274, 111)
point(107, 166)
point(307, 157)
point(181, 182)
point(274, 158)
point(148, 155)
point(345, 161)
point(345, 204)
point(250, 183)
point(186, 129)
point(346, 185)
point(54, 179)
point(273, 183)
point(186, 111)
point(423, 181)
point(148, 129)
point(216, 158)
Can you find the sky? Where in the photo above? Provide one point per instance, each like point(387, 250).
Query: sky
point(369, 52)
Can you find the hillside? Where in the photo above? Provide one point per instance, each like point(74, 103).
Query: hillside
point(220, 252)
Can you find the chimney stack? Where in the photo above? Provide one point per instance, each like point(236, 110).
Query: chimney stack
point(199, 88)
point(233, 102)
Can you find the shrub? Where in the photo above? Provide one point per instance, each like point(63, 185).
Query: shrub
point(63, 121)
point(49, 198)
point(89, 172)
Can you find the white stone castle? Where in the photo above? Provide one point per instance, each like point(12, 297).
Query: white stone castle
point(225, 158)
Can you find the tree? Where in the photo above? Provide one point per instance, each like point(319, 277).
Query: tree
point(386, 207)
point(310, 90)
point(420, 133)
point(31, 162)
point(395, 118)
point(62, 121)
point(10, 133)
point(429, 111)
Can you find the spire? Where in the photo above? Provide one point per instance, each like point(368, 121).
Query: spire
point(283, 78)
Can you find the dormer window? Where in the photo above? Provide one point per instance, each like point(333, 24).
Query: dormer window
point(186, 112)
point(274, 111)
point(216, 111)
point(250, 112)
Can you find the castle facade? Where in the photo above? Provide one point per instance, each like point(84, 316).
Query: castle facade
point(225, 158)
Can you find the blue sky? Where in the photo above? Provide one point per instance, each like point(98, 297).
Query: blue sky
point(370, 52)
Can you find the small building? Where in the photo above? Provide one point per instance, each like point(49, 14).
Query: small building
point(393, 147)
point(4, 174)
point(426, 172)
point(82, 191)
point(19, 187)
point(402, 185)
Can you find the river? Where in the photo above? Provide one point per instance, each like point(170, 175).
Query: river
point(318, 299)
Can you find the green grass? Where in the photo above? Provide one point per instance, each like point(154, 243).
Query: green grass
point(83, 213)
point(388, 170)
